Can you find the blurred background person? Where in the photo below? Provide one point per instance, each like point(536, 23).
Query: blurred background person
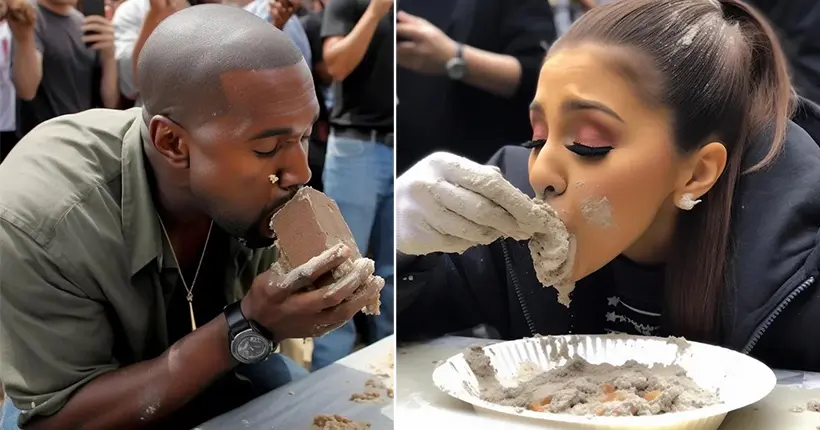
point(282, 14)
point(797, 23)
point(567, 11)
point(79, 49)
point(358, 51)
point(7, 109)
point(312, 23)
point(134, 21)
point(467, 73)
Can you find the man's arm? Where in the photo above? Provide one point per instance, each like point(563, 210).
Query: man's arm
point(346, 36)
point(27, 64)
point(143, 394)
point(57, 344)
point(527, 31)
point(109, 86)
point(159, 10)
point(498, 74)
point(527, 28)
point(127, 24)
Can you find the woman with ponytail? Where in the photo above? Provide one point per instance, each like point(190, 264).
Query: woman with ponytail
point(663, 138)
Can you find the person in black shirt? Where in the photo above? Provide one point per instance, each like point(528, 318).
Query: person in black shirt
point(312, 23)
point(797, 23)
point(494, 49)
point(55, 61)
point(358, 50)
point(689, 197)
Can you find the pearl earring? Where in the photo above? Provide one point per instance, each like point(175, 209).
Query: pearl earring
point(688, 202)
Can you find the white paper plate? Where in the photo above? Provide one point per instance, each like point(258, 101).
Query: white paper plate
point(738, 380)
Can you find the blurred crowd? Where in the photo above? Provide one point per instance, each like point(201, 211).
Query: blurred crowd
point(61, 57)
point(476, 112)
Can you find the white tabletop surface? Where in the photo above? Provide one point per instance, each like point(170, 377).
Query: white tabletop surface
point(326, 391)
point(420, 405)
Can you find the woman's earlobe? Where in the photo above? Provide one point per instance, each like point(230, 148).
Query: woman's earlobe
point(687, 202)
point(704, 169)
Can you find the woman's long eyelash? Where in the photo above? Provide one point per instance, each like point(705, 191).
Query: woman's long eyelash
point(589, 151)
point(534, 144)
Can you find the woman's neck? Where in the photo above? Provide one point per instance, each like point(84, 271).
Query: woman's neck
point(655, 243)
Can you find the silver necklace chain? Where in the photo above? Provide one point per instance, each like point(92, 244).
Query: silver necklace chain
point(190, 291)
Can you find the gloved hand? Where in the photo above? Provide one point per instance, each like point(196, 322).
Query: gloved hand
point(446, 203)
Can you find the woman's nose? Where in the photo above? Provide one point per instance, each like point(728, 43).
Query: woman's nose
point(295, 170)
point(547, 172)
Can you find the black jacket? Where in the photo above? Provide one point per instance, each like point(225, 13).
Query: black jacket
point(772, 312)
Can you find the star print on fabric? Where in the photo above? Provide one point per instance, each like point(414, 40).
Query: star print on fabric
point(610, 316)
point(613, 301)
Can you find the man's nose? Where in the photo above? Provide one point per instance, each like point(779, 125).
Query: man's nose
point(548, 171)
point(295, 170)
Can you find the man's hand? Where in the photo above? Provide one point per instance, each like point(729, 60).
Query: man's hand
point(281, 11)
point(424, 48)
point(161, 9)
point(381, 7)
point(21, 16)
point(288, 305)
point(587, 5)
point(99, 35)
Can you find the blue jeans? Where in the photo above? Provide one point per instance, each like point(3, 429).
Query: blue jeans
point(272, 373)
point(358, 175)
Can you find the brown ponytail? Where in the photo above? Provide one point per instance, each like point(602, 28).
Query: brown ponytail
point(773, 97)
point(724, 77)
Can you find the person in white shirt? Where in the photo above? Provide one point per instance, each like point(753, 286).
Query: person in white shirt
point(7, 94)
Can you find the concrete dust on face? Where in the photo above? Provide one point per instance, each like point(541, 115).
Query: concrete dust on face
point(597, 210)
point(581, 388)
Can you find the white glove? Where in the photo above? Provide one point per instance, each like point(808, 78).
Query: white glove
point(446, 203)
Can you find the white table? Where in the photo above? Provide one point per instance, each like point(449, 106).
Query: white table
point(420, 405)
point(326, 391)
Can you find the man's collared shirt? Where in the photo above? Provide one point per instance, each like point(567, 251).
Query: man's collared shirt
point(87, 282)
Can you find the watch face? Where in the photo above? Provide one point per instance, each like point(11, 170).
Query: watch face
point(250, 347)
point(456, 68)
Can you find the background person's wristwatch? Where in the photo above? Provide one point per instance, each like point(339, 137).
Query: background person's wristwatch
point(456, 66)
point(249, 342)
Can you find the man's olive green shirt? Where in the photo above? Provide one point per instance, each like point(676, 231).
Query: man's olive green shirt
point(81, 259)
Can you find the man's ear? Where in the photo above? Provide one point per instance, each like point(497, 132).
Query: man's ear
point(167, 138)
point(702, 169)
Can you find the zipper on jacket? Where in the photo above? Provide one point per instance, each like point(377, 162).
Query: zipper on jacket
point(777, 311)
point(518, 293)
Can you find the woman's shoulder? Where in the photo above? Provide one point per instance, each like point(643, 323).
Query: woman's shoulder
point(775, 226)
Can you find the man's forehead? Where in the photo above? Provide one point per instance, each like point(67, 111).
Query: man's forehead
point(280, 79)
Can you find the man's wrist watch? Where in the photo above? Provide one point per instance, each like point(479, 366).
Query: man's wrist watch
point(249, 342)
point(456, 66)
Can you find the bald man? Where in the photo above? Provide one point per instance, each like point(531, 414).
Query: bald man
point(124, 235)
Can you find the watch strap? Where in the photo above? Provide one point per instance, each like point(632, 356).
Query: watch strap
point(237, 323)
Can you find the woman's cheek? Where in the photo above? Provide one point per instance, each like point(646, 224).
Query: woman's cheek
point(593, 225)
point(597, 211)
